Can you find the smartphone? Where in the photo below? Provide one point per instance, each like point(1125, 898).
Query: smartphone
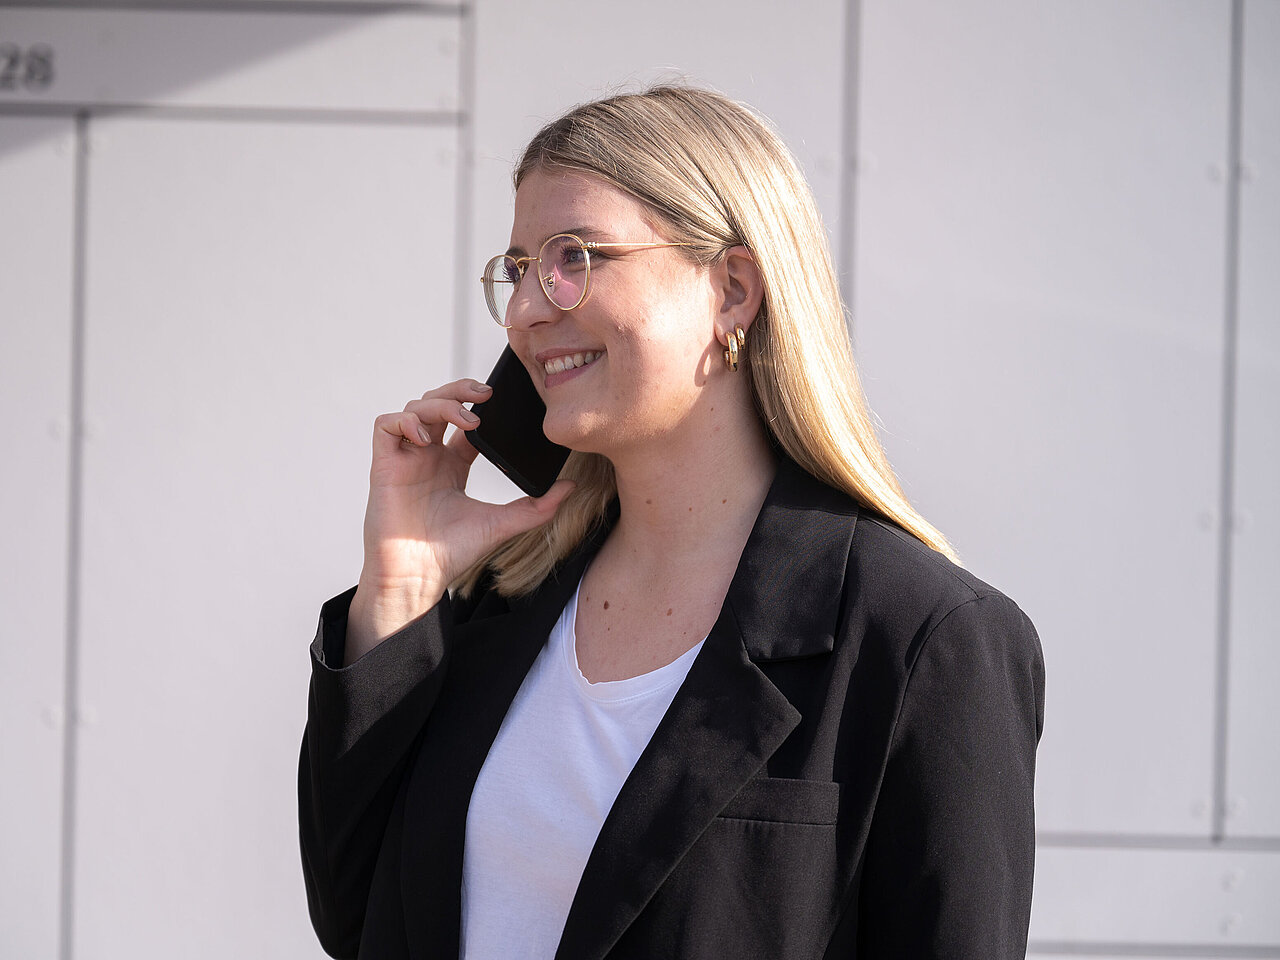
point(510, 433)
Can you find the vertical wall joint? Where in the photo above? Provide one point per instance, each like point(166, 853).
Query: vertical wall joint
point(1231, 276)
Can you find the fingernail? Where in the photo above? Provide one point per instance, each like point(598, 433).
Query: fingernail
point(422, 432)
point(470, 417)
point(479, 387)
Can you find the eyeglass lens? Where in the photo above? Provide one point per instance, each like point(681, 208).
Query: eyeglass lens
point(563, 270)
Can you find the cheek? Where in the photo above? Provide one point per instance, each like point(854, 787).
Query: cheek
point(660, 342)
point(658, 350)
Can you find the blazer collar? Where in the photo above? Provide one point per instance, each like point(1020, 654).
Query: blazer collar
point(726, 720)
point(787, 590)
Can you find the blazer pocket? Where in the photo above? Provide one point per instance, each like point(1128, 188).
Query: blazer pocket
point(778, 800)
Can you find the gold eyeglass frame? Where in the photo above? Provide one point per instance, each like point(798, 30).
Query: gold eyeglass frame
point(545, 283)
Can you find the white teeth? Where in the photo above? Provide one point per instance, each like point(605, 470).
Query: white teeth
point(568, 362)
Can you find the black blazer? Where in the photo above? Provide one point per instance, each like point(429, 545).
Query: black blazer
point(846, 771)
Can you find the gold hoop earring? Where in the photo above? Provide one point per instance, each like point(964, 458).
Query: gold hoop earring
point(737, 342)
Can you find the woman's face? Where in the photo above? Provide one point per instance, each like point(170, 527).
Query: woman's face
point(647, 326)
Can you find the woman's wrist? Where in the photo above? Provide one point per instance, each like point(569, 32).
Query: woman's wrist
point(379, 610)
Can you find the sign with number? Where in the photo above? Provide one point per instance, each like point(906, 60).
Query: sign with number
point(26, 68)
point(310, 59)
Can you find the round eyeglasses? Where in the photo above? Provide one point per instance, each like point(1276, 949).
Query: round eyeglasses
point(564, 272)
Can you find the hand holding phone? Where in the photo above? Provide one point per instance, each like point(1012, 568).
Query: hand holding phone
point(421, 530)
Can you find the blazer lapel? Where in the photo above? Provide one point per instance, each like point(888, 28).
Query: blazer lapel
point(727, 718)
point(721, 728)
point(488, 661)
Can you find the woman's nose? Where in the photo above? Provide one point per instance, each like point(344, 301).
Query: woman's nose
point(531, 306)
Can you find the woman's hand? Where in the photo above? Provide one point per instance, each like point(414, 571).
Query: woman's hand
point(421, 530)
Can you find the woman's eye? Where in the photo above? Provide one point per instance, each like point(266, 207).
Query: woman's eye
point(572, 257)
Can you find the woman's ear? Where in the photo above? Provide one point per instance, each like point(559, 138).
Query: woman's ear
point(741, 290)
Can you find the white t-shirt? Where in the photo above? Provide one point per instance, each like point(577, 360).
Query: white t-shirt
point(559, 760)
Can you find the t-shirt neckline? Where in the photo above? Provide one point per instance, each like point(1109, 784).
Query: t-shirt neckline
point(629, 688)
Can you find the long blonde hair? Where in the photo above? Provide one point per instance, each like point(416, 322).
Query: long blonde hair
point(714, 175)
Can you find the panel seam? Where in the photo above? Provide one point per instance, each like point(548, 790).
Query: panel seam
point(464, 186)
point(75, 519)
point(1226, 511)
point(849, 150)
point(301, 7)
point(274, 115)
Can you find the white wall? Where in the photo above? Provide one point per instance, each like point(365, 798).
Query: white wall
point(238, 232)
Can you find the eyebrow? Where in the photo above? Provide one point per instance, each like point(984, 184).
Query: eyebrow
point(586, 233)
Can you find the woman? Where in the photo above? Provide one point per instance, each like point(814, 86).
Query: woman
point(721, 692)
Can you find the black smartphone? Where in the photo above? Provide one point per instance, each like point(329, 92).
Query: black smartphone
point(510, 433)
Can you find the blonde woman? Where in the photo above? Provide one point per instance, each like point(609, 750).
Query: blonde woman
point(721, 691)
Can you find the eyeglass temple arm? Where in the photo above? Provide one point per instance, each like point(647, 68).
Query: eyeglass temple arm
point(597, 244)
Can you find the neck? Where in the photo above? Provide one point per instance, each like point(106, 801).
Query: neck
point(698, 493)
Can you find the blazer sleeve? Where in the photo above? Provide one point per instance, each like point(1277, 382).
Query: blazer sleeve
point(951, 848)
point(362, 722)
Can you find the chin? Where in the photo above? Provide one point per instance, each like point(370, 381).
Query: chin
point(584, 434)
point(568, 431)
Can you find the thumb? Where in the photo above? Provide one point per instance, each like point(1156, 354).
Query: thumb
point(524, 514)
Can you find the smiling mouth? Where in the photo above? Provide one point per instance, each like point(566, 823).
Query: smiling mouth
point(569, 361)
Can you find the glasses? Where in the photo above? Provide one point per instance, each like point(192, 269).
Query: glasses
point(564, 272)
